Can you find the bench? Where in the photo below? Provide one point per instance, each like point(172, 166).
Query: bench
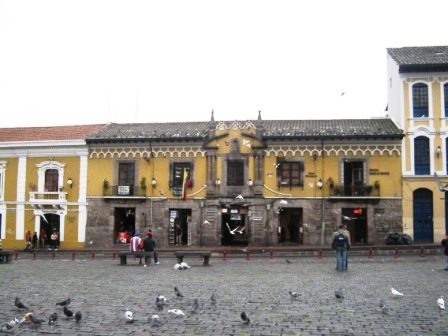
point(140, 254)
point(5, 257)
point(204, 254)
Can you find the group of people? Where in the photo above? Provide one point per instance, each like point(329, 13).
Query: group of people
point(32, 241)
point(148, 245)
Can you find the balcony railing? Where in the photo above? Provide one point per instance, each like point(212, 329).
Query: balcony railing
point(124, 191)
point(353, 191)
point(48, 197)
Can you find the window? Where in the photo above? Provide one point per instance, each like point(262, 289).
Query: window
point(235, 173)
point(420, 100)
point(126, 178)
point(177, 176)
point(126, 174)
point(445, 100)
point(354, 179)
point(421, 156)
point(51, 180)
point(290, 174)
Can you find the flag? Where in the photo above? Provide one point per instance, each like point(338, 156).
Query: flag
point(186, 184)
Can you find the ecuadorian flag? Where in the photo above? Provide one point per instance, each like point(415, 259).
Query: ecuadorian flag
point(186, 184)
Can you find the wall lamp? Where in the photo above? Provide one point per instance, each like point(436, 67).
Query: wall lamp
point(438, 151)
point(218, 182)
point(153, 182)
point(70, 182)
point(319, 184)
point(250, 183)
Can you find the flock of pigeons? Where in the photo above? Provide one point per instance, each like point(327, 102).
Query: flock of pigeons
point(162, 301)
point(33, 319)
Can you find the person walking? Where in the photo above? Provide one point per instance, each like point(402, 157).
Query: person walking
point(35, 240)
point(54, 240)
point(42, 238)
point(445, 244)
point(27, 241)
point(341, 243)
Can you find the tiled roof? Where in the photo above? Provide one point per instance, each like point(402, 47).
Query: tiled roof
point(378, 127)
point(420, 58)
point(152, 130)
point(382, 127)
point(78, 132)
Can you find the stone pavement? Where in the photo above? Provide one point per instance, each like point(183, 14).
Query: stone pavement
point(260, 286)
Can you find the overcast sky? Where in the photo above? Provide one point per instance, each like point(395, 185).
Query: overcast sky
point(85, 61)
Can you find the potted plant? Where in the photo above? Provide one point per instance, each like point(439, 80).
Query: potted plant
point(105, 184)
point(143, 182)
point(330, 183)
point(369, 189)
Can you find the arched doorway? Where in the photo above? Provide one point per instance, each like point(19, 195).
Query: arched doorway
point(423, 216)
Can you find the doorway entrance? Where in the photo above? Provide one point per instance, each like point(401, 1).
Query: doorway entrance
point(179, 227)
point(234, 229)
point(290, 228)
point(124, 225)
point(356, 221)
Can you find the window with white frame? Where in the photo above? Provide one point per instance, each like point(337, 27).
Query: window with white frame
point(420, 100)
point(421, 156)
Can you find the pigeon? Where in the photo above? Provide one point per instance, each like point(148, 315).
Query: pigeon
point(395, 292)
point(19, 304)
point(176, 312)
point(288, 261)
point(156, 320)
point(294, 295)
point(8, 327)
point(178, 293)
point(232, 232)
point(78, 316)
point(195, 308)
point(53, 318)
point(36, 320)
point(68, 312)
point(240, 197)
point(339, 294)
point(64, 303)
point(384, 307)
point(441, 302)
point(213, 298)
point(159, 303)
point(163, 299)
point(129, 316)
point(185, 265)
point(245, 318)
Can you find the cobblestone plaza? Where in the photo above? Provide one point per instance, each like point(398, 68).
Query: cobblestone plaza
point(102, 290)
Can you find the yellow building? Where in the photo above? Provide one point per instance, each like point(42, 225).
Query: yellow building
point(43, 184)
point(257, 182)
point(227, 183)
point(418, 102)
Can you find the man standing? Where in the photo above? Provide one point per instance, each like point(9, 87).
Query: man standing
point(341, 243)
point(445, 244)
